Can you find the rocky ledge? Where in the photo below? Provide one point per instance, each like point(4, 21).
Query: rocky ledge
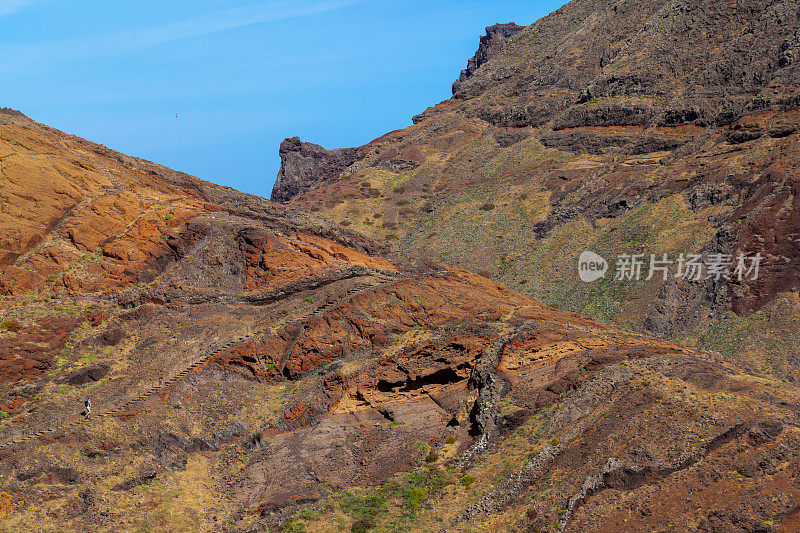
point(489, 45)
point(306, 166)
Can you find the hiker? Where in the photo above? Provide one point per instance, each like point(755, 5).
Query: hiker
point(88, 406)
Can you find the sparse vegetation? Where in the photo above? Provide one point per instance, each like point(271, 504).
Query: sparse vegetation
point(363, 509)
point(467, 481)
point(10, 325)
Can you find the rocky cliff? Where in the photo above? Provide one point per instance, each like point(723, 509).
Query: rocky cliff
point(644, 127)
point(305, 166)
point(490, 45)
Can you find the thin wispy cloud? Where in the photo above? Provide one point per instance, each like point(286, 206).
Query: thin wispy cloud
point(231, 19)
point(140, 39)
point(7, 7)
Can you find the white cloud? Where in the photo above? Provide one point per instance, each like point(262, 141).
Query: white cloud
point(271, 11)
point(26, 56)
point(7, 7)
point(234, 18)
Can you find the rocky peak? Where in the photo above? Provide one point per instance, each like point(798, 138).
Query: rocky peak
point(694, 62)
point(11, 112)
point(306, 165)
point(489, 45)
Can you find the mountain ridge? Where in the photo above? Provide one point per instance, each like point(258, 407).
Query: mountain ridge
point(353, 359)
point(252, 367)
point(632, 127)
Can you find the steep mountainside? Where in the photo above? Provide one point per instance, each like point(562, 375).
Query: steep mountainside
point(251, 368)
point(619, 127)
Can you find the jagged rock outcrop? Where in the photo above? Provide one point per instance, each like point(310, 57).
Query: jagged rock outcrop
point(305, 166)
point(12, 112)
point(609, 125)
point(633, 55)
point(490, 44)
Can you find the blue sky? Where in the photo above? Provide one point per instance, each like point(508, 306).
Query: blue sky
point(240, 75)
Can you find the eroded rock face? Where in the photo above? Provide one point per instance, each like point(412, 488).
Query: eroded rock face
point(79, 219)
point(617, 126)
point(490, 44)
point(30, 351)
point(305, 166)
point(620, 51)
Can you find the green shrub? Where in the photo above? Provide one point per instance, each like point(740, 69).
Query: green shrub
point(308, 300)
point(308, 514)
point(418, 495)
point(450, 440)
point(467, 481)
point(10, 325)
point(362, 526)
point(291, 525)
point(432, 458)
point(364, 509)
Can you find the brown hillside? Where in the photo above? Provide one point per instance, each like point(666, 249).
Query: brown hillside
point(619, 127)
point(252, 368)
